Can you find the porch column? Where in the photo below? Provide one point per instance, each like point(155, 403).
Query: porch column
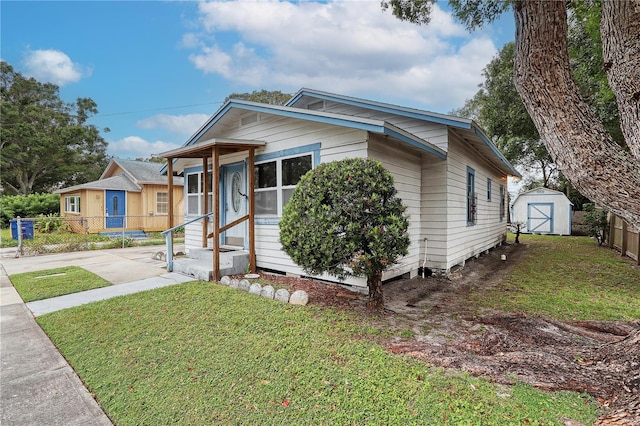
point(215, 166)
point(205, 201)
point(170, 194)
point(251, 191)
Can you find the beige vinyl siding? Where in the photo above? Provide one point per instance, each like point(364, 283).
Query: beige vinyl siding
point(404, 166)
point(431, 132)
point(434, 214)
point(465, 241)
point(281, 134)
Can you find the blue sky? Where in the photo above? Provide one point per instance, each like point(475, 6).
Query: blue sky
point(157, 70)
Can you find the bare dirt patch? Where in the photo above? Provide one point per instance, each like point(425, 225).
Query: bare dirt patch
point(596, 357)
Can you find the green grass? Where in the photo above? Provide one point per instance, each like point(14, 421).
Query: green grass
point(567, 278)
point(55, 282)
point(201, 353)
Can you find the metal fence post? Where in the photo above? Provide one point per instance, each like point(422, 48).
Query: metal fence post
point(19, 252)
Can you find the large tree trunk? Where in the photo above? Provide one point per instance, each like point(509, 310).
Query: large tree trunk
point(575, 138)
point(376, 300)
point(620, 31)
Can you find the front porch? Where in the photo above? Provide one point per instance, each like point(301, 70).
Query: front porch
point(212, 261)
point(199, 265)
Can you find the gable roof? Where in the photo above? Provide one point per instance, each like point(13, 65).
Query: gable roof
point(469, 129)
point(140, 172)
point(119, 182)
point(353, 122)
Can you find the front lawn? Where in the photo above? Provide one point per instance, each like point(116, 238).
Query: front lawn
point(567, 278)
point(40, 285)
point(202, 353)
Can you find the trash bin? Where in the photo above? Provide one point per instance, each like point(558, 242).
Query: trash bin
point(27, 229)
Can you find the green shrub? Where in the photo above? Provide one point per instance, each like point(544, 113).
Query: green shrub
point(595, 220)
point(33, 205)
point(345, 219)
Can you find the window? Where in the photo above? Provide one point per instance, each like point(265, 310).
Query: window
point(488, 189)
point(502, 202)
point(275, 181)
point(195, 188)
point(162, 202)
point(472, 200)
point(72, 204)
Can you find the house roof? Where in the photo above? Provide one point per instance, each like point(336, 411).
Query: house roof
point(474, 137)
point(140, 172)
point(375, 126)
point(119, 182)
point(467, 128)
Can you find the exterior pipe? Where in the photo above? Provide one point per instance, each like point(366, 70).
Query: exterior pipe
point(424, 262)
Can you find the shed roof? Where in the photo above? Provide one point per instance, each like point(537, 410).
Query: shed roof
point(542, 191)
point(140, 172)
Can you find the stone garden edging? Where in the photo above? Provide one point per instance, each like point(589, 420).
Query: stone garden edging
point(298, 297)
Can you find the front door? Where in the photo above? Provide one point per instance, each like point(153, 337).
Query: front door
point(540, 218)
point(234, 203)
point(115, 208)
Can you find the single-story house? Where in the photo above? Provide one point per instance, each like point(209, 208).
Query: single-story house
point(543, 211)
point(448, 173)
point(129, 194)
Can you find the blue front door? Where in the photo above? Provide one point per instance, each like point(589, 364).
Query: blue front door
point(115, 208)
point(234, 203)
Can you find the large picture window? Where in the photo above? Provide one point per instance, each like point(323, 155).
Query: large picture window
point(72, 204)
point(275, 181)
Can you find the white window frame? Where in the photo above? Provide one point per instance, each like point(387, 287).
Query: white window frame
point(279, 186)
point(198, 195)
point(72, 204)
point(162, 205)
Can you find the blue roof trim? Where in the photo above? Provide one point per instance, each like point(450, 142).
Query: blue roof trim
point(382, 107)
point(358, 123)
point(495, 150)
point(414, 143)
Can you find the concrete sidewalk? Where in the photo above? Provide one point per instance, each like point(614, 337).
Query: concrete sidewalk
point(38, 387)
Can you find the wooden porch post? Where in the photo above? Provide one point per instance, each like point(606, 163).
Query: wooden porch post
point(216, 213)
point(205, 201)
point(250, 190)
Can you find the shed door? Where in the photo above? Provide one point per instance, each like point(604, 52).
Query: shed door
point(115, 208)
point(540, 218)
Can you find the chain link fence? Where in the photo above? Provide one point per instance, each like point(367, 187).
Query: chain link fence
point(52, 234)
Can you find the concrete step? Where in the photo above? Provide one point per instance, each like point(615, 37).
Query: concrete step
point(201, 267)
point(135, 234)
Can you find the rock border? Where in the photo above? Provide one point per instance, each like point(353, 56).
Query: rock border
point(298, 297)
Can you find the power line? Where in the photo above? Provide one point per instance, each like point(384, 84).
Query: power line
point(154, 109)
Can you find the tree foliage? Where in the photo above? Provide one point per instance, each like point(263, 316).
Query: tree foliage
point(46, 143)
point(32, 205)
point(345, 219)
point(497, 107)
point(576, 138)
point(271, 97)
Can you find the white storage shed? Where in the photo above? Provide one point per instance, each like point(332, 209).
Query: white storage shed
point(543, 211)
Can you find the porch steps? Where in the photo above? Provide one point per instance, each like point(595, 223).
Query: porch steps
point(199, 264)
point(135, 234)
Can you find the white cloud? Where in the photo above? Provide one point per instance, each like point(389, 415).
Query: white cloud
point(53, 66)
point(349, 47)
point(182, 125)
point(136, 147)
